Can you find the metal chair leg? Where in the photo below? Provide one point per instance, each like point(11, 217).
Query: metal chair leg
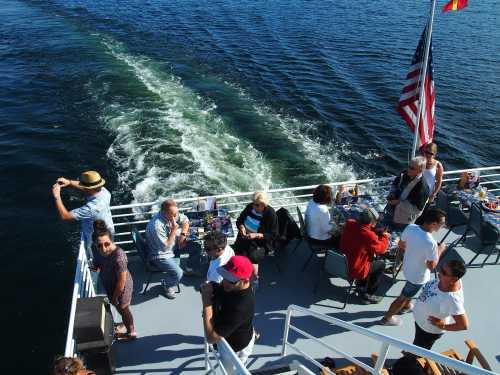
point(351, 283)
point(147, 284)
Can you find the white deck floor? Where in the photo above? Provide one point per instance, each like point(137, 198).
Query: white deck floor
point(171, 333)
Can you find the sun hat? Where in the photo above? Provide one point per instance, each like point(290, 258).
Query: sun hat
point(237, 268)
point(90, 180)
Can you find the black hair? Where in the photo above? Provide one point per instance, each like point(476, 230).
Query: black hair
point(456, 267)
point(323, 194)
point(101, 229)
point(433, 215)
point(217, 239)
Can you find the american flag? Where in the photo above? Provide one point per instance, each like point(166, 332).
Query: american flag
point(409, 100)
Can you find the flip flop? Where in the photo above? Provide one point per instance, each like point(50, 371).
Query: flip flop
point(126, 336)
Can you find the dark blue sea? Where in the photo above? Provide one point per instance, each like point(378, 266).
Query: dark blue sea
point(194, 97)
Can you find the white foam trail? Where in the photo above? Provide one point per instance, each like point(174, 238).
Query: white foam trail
point(324, 154)
point(187, 147)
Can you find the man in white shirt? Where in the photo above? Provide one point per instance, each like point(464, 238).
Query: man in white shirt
point(421, 255)
point(440, 306)
point(219, 252)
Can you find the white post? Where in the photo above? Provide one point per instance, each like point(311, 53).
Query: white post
point(423, 75)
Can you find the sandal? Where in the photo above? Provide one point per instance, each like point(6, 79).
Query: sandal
point(120, 328)
point(126, 336)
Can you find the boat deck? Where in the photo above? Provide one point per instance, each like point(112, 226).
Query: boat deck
point(171, 332)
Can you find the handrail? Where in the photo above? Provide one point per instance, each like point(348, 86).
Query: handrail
point(297, 188)
point(386, 342)
point(83, 287)
point(224, 354)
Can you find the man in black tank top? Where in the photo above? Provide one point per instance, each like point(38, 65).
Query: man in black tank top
point(228, 309)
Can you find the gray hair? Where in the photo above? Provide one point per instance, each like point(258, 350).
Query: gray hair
point(419, 161)
point(260, 197)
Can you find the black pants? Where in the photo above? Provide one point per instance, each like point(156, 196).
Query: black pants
point(425, 339)
point(252, 249)
point(374, 277)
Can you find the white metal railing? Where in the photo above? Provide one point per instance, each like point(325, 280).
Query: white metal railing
point(83, 287)
point(385, 343)
point(139, 213)
point(226, 360)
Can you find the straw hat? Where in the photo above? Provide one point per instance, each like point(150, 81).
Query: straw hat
point(90, 180)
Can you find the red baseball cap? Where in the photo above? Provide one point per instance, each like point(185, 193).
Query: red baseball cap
point(237, 268)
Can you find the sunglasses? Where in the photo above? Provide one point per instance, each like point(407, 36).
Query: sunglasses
point(413, 168)
point(429, 153)
point(443, 272)
point(104, 244)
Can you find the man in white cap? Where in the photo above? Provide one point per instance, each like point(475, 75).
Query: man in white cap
point(91, 184)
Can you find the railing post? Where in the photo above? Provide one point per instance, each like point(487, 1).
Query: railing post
point(286, 330)
point(382, 356)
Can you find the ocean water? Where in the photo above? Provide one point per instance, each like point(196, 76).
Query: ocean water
point(186, 97)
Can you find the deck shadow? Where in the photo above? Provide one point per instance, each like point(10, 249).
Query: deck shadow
point(154, 349)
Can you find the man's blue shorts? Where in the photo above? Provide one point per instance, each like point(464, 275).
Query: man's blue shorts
point(410, 290)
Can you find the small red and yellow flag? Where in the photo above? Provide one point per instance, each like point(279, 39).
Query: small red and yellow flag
point(455, 5)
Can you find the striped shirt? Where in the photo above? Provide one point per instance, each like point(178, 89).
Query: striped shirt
point(252, 221)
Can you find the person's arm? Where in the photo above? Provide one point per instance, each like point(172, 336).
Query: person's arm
point(120, 286)
point(439, 181)
point(207, 295)
point(172, 234)
point(379, 244)
point(240, 221)
point(402, 245)
point(64, 214)
point(270, 226)
point(64, 182)
point(461, 323)
point(184, 232)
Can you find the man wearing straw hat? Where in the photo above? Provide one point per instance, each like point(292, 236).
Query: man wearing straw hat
point(91, 184)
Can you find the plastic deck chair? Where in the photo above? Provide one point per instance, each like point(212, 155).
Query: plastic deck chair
point(336, 265)
point(314, 248)
point(141, 246)
point(455, 217)
point(486, 233)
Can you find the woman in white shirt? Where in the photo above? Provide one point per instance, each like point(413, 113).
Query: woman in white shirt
point(317, 216)
point(433, 172)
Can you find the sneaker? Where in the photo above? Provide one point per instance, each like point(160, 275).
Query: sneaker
point(372, 298)
point(169, 290)
point(407, 309)
point(393, 321)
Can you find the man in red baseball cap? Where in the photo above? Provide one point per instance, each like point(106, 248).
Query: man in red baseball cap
point(228, 309)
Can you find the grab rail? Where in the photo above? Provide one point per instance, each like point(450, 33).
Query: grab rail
point(140, 213)
point(224, 355)
point(385, 341)
point(83, 287)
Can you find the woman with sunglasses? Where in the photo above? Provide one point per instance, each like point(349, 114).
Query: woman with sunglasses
point(433, 172)
point(257, 230)
point(111, 262)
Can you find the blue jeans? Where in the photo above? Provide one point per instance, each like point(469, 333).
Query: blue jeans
point(171, 266)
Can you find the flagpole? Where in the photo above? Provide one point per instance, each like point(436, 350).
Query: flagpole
point(423, 75)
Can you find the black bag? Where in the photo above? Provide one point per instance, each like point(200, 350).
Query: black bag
point(287, 227)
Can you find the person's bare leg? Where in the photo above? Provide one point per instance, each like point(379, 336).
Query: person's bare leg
point(396, 306)
point(256, 270)
point(128, 319)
